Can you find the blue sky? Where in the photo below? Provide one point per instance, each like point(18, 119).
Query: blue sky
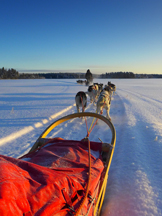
point(76, 35)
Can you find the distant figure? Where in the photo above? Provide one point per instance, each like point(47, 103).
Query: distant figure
point(81, 101)
point(89, 77)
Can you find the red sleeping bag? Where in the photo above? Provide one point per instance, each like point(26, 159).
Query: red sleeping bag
point(50, 180)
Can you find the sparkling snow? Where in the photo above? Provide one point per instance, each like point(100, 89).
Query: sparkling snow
point(28, 107)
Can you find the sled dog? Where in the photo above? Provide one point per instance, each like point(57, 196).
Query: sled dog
point(92, 92)
point(99, 87)
point(104, 102)
point(112, 86)
point(81, 101)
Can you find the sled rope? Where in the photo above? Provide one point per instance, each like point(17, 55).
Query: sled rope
point(89, 174)
point(88, 184)
point(93, 199)
point(91, 128)
point(85, 117)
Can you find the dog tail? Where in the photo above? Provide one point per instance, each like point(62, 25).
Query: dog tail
point(80, 99)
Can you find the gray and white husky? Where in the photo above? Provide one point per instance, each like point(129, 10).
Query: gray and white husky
point(81, 101)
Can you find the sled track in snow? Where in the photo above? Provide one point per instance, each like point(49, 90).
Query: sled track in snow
point(28, 129)
point(39, 124)
point(30, 133)
point(77, 127)
point(144, 97)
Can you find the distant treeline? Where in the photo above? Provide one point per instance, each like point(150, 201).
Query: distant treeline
point(62, 75)
point(13, 74)
point(119, 75)
point(9, 74)
point(130, 75)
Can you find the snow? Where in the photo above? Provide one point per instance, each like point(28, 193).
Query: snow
point(28, 107)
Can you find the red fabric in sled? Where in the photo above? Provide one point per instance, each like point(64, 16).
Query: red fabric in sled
point(44, 182)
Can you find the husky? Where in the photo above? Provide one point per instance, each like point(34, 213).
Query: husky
point(81, 101)
point(112, 86)
point(104, 102)
point(99, 87)
point(92, 92)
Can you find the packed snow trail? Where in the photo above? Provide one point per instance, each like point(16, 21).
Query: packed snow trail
point(135, 192)
point(135, 180)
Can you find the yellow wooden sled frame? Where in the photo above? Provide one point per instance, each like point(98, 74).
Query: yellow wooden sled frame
point(103, 184)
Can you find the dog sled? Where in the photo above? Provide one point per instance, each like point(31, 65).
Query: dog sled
point(58, 176)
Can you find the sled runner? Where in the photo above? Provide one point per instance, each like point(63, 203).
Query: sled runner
point(58, 176)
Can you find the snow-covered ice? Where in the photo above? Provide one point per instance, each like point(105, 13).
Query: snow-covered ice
point(28, 107)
